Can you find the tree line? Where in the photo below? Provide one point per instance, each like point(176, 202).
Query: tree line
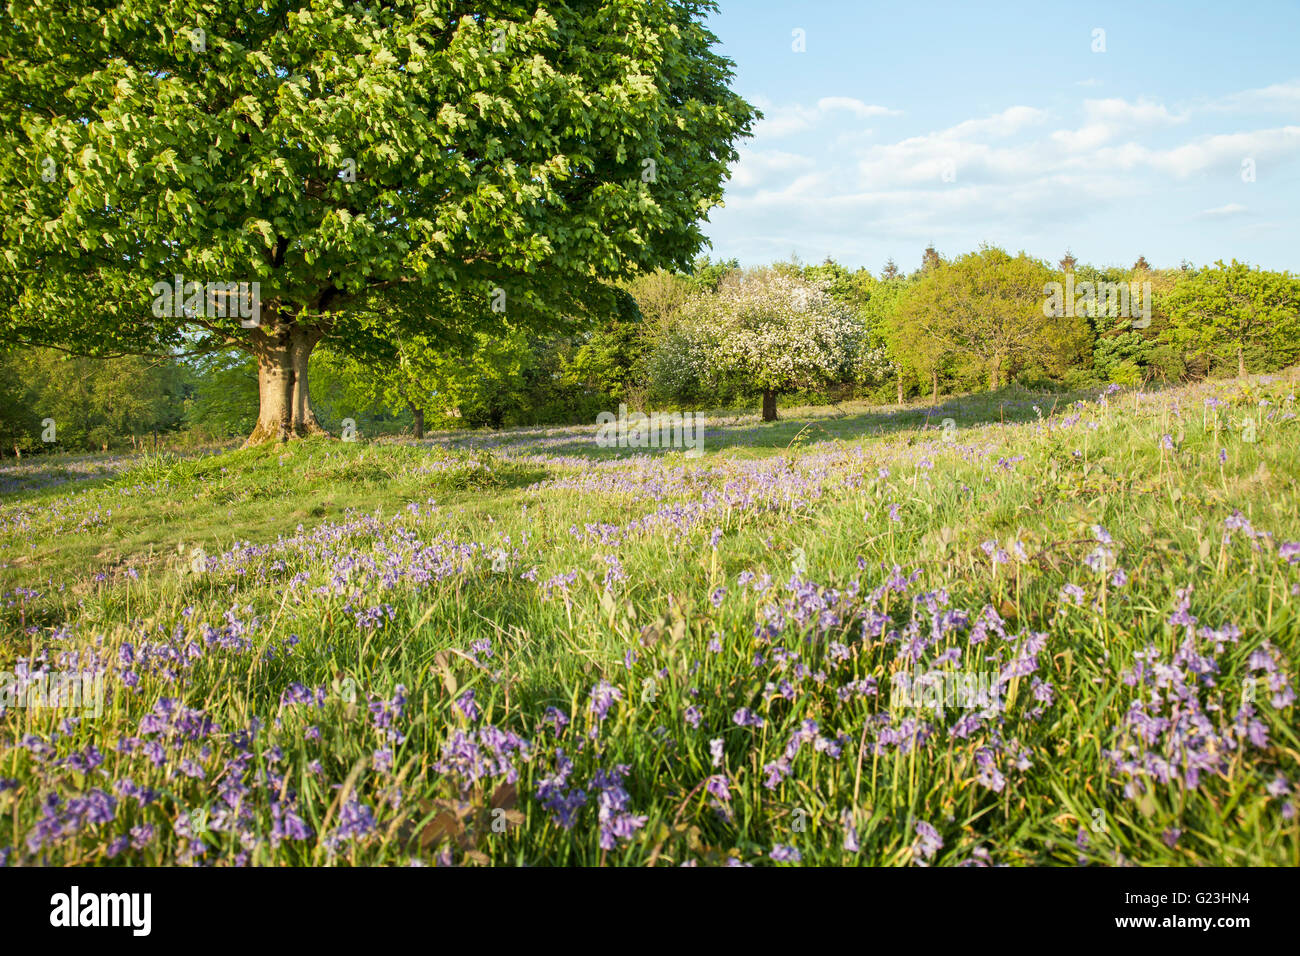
point(710, 336)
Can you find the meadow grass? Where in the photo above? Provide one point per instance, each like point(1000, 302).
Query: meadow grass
point(1059, 630)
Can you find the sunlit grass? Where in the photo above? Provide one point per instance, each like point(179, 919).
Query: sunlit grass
point(326, 604)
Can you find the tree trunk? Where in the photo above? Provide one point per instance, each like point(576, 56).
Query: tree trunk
point(934, 381)
point(418, 415)
point(1241, 361)
point(769, 405)
point(995, 375)
point(900, 388)
point(284, 398)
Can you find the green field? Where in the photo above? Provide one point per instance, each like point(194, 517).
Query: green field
point(1061, 629)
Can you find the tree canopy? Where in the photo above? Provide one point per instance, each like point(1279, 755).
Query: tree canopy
point(770, 328)
point(374, 170)
point(1234, 312)
point(984, 309)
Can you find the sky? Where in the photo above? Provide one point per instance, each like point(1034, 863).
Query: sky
point(1116, 130)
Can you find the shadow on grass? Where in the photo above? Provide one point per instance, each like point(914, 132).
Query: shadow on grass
point(740, 429)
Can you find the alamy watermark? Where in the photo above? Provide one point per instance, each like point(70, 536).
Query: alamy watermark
point(1110, 299)
point(656, 430)
point(81, 691)
point(73, 909)
point(179, 299)
point(939, 690)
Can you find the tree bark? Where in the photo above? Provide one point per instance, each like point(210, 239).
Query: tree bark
point(934, 381)
point(995, 375)
point(1241, 361)
point(769, 405)
point(418, 415)
point(900, 388)
point(282, 350)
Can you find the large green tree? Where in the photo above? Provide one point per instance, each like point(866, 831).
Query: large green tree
point(1235, 312)
point(985, 310)
point(375, 168)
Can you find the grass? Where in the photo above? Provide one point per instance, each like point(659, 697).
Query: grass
point(519, 648)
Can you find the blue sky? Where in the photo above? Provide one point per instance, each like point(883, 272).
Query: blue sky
point(907, 123)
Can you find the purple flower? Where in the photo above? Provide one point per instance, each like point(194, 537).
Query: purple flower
point(554, 793)
point(385, 714)
point(989, 775)
point(850, 832)
point(1072, 594)
point(482, 753)
point(782, 853)
point(616, 823)
point(287, 825)
point(356, 820)
point(556, 719)
point(603, 696)
point(928, 842)
point(465, 704)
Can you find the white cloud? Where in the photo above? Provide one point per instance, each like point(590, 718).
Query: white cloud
point(1223, 212)
point(858, 108)
point(785, 120)
point(757, 167)
point(1279, 97)
point(1006, 123)
point(1110, 118)
point(1007, 177)
point(1085, 138)
point(1227, 151)
point(1122, 113)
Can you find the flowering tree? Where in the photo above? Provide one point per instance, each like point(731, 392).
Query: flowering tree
point(771, 329)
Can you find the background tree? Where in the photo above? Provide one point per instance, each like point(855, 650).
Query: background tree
point(20, 423)
point(705, 275)
point(370, 166)
point(659, 296)
point(225, 393)
point(95, 404)
point(771, 329)
point(930, 259)
point(918, 333)
point(1234, 311)
point(985, 310)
